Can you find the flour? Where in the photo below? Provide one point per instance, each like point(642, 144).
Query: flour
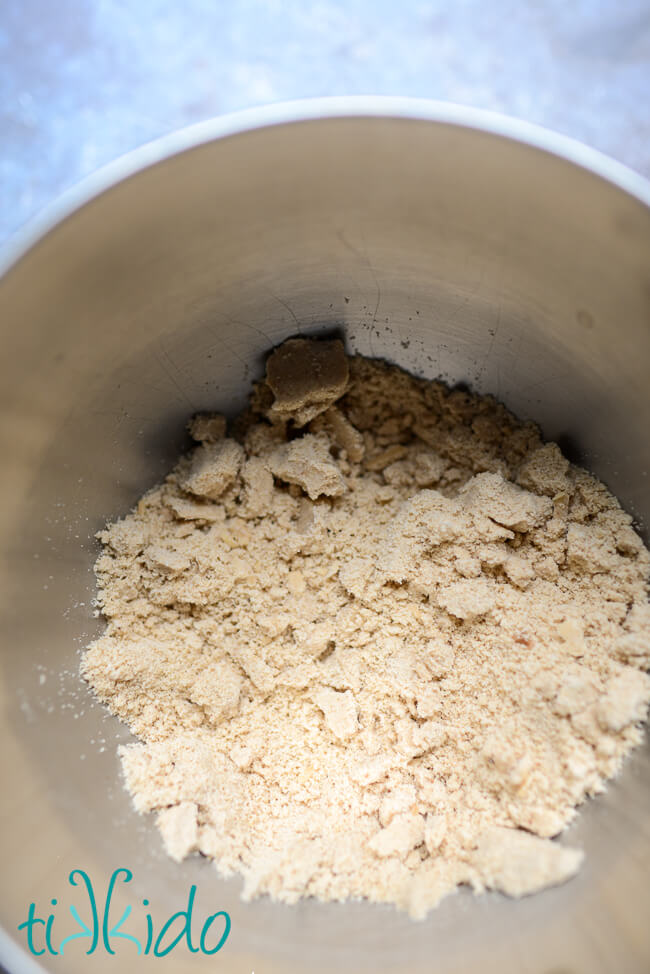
point(378, 642)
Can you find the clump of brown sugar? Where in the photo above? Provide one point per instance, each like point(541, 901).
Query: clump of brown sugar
point(378, 642)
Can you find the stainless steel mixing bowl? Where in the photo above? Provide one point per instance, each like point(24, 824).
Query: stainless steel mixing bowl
point(455, 243)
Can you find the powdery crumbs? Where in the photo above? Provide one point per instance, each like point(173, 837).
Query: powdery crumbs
point(308, 464)
point(370, 638)
point(517, 863)
point(339, 709)
point(211, 468)
point(178, 828)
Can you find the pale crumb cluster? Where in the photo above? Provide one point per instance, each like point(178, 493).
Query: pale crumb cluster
point(378, 641)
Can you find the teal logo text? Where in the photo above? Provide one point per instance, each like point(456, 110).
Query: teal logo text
point(96, 928)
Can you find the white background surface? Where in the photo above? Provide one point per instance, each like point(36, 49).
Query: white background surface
point(82, 81)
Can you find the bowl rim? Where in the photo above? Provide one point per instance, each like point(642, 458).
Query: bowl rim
point(300, 110)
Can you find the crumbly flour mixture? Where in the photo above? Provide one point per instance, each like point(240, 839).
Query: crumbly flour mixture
point(377, 640)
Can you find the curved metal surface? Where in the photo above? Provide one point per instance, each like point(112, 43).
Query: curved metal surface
point(306, 109)
point(450, 241)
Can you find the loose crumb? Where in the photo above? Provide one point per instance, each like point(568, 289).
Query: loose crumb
point(380, 641)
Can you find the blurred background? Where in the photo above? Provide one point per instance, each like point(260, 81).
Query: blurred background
point(82, 81)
